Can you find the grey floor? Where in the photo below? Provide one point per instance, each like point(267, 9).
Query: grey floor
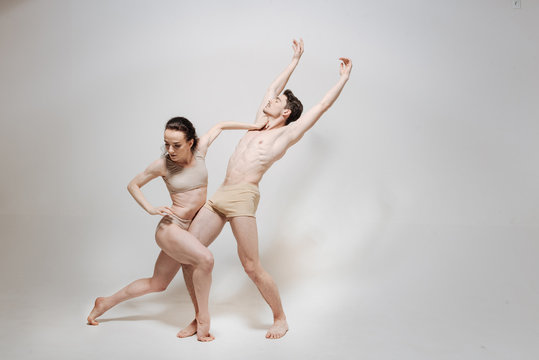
point(400, 292)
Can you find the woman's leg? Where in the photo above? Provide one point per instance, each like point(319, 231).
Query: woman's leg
point(206, 226)
point(164, 271)
point(186, 249)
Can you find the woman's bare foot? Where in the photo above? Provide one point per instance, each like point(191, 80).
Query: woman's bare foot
point(189, 330)
point(277, 330)
point(203, 331)
point(99, 309)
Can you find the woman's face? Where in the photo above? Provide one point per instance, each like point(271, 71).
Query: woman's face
point(177, 147)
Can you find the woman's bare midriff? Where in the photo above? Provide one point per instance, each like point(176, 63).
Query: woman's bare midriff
point(185, 205)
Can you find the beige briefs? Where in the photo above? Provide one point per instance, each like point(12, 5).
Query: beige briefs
point(234, 200)
point(173, 219)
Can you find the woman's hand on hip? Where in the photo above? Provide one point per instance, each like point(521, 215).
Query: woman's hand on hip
point(161, 210)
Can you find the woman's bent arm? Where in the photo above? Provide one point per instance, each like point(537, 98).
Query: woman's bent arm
point(155, 169)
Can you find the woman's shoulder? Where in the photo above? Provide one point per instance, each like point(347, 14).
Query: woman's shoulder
point(159, 166)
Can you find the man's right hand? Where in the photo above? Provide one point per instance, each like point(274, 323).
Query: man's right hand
point(298, 48)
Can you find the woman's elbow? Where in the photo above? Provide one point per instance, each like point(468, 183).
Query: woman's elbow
point(131, 186)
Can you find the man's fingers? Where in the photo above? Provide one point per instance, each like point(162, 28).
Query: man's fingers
point(346, 61)
point(298, 45)
point(346, 64)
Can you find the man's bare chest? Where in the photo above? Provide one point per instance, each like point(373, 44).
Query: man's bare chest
point(260, 140)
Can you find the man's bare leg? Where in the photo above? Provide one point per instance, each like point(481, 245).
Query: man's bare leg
point(206, 226)
point(246, 234)
point(164, 271)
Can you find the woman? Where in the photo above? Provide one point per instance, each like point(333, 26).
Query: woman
point(185, 175)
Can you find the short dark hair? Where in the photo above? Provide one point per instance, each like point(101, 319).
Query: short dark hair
point(294, 105)
point(182, 124)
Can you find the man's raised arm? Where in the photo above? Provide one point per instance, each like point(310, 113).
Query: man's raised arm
point(280, 82)
point(298, 128)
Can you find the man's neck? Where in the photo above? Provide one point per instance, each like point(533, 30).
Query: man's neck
point(275, 123)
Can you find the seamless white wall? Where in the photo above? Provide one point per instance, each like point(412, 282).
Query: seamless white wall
point(437, 124)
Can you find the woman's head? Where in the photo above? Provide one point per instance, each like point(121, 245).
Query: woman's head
point(180, 138)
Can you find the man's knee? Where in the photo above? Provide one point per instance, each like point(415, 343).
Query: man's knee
point(253, 269)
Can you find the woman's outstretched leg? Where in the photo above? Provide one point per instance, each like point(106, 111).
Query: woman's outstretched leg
point(164, 271)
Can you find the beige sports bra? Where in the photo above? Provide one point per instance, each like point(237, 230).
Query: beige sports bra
point(181, 179)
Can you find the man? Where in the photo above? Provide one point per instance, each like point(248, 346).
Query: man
point(237, 199)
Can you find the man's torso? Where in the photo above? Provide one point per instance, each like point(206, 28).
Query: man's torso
point(254, 155)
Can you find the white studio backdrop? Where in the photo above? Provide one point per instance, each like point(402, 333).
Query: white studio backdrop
point(435, 133)
point(438, 116)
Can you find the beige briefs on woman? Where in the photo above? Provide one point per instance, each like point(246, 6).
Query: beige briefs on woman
point(174, 219)
point(234, 200)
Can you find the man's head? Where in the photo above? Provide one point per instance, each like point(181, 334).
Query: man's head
point(286, 106)
point(294, 105)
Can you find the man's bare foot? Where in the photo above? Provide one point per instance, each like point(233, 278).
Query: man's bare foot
point(189, 330)
point(277, 330)
point(99, 309)
point(203, 331)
